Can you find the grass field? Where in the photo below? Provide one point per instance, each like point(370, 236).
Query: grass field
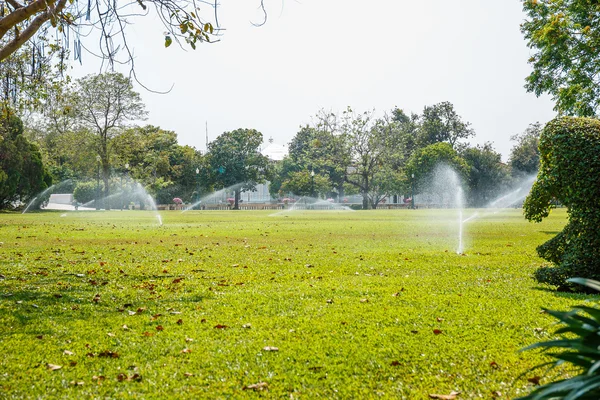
point(317, 304)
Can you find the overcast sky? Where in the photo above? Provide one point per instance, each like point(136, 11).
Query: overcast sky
point(314, 54)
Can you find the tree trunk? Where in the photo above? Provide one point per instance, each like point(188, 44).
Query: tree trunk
point(236, 204)
point(365, 204)
point(105, 179)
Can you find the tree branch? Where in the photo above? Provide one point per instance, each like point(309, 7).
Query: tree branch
point(20, 15)
point(31, 29)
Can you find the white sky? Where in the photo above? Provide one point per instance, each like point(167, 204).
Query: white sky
point(314, 54)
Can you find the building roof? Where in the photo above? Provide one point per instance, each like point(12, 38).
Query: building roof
point(275, 152)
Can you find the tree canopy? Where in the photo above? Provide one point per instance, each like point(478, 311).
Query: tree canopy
point(236, 162)
point(565, 36)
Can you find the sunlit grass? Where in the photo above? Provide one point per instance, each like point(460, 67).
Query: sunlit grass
point(358, 304)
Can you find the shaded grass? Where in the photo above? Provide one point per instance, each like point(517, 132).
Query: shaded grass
point(352, 301)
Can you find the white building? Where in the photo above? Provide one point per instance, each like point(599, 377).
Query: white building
point(274, 152)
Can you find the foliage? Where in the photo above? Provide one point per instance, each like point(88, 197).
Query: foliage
point(569, 169)
point(487, 175)
point(525, 155)
point(376, 149)
point(565, 37)
point(234, 159)
point(22, 21)
point(440, 123)
point(103, 104)
point(322, 149)
point(22, 174)
point(95, 282)
point(87, 191)
point(303, 183)
point(423, 162)
point(579, 346)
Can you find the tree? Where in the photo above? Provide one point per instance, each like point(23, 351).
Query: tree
point(569, 171)
point(565, 37)
point(422, 164)
point(22, 174)
point(440, 123)
point(321, 149)
point(487, 175)
point(525, 156)
point(103, 104)
point(375, 148)
point(157, 161)
point(235, 161)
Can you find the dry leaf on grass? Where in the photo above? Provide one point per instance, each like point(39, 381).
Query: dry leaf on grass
point(450, 396)
point(53, 367)
point(257, 386)
point(270, 348)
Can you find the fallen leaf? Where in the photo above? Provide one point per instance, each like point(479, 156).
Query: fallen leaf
point(395, 363)
point(450, 396)
point(247, 326)
point(219, 326)
point(179, 322)
point(257, 386)
point(270, 348)
point(187, 339)
point(111, 334)
point(494, 365)
point(188, 374)
point(535, 380)
point(108, 354)
point(437, 331)
point(53, 367)
point(364, 300)
point(159, 328)
point(439, 319)
point(186, 350)
point(67, 353)
point(329, 301)
point(148, 334)
point(77, 383)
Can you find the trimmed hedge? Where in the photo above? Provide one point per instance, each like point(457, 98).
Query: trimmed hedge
point(570, 173)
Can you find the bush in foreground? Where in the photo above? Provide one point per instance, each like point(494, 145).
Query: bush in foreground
point(581, 349)
point(569, 171)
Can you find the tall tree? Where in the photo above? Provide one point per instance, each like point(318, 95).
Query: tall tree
point(22, 174)
point(105, 103)
point(236, 162)
point(525, 155)
point(440, 123)
point(565, 36)
point(323, 150)
point(375, 148)
point(487, 175)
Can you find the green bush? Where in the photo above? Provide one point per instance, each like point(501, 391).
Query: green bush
point(86, 191)
point(569, 171)
point(581, 346)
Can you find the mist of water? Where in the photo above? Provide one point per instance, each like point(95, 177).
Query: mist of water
point(40, 197)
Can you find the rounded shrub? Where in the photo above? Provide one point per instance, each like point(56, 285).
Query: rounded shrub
point(86, 191)
point(569, 172)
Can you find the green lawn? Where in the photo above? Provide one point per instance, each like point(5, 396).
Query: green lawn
point(358, 304)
